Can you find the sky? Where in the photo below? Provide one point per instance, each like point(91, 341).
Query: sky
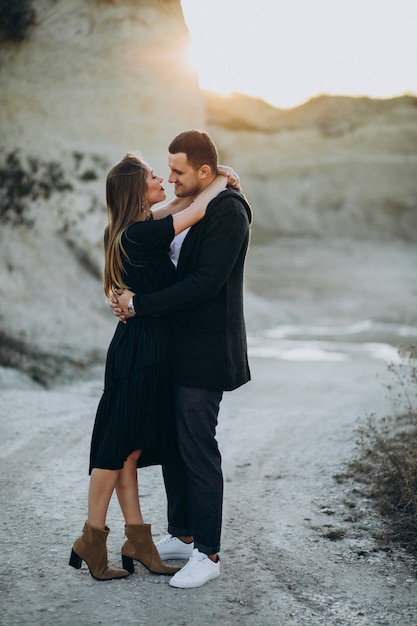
point(287, 51)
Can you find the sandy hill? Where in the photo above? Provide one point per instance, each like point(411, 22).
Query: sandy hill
point(334, 166)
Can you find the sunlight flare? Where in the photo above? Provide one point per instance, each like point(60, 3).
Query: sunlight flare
point(287, 52)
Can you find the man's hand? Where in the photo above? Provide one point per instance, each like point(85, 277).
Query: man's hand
point(119, 303)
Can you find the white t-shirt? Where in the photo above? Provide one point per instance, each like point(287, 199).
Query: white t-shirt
point(175, 247)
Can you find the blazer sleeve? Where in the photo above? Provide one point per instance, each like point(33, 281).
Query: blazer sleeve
point(224, 230)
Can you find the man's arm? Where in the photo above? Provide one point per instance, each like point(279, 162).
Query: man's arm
point(225, 231)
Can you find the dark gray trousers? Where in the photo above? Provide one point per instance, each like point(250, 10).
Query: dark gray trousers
point(194, 485)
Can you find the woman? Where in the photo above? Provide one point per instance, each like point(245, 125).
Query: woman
point(134, 425)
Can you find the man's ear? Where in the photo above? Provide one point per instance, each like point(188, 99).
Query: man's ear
point(205, 172)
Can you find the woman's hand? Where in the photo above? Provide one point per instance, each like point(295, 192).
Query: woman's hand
point(119, 303)
point(232, 177)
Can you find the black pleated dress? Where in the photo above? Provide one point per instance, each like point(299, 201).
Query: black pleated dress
point(136, 410)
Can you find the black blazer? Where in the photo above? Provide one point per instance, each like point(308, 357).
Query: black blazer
point(205, 305)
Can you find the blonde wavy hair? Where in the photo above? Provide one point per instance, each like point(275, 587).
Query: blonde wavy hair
point(125, 197)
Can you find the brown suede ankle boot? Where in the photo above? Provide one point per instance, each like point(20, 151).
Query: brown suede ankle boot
point(91, 548)
point(140, 546)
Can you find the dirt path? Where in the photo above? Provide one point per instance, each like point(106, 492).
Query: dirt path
point(283, 437)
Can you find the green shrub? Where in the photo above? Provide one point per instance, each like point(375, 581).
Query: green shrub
point(88, 176)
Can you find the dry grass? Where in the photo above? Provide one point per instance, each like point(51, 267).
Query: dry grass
point(387, 460)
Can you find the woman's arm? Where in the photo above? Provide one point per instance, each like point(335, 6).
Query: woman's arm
point(177, 204)
point(197, 209)
point(233, 179)
point(181, 220)
point(225, 237)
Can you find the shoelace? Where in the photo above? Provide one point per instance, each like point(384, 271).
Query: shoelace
point(166, 540)
point(194, 561)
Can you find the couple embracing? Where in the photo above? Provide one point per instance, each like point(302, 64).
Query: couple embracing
point(174, 275)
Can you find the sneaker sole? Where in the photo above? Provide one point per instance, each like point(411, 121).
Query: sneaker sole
point(176, 555)
point(191, 585)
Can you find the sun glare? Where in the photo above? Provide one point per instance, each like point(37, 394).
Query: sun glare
point(191, 57)
point(206, 78)
point(287, 52)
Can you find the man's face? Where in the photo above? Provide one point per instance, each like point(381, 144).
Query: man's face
point(186, 180)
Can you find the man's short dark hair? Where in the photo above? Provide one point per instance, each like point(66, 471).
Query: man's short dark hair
point(198, 146)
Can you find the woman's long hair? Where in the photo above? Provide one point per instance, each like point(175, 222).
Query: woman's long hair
point(125, 197)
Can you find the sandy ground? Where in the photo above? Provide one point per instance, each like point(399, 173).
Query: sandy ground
point(319, 362)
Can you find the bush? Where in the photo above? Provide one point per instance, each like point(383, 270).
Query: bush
point(387, 461)
point(17, 17)
point(22, 183)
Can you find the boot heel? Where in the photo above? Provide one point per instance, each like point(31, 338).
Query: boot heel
point(75, 560)
point(127, 564)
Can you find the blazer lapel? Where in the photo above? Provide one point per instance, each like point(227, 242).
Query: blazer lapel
point(187, 248)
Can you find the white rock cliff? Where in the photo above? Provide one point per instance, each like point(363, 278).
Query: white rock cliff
point(93, 80)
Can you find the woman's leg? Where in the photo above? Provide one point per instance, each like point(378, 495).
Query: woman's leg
point(127, 490)
point(102, 484)
point(91, 546)
point(139, 545)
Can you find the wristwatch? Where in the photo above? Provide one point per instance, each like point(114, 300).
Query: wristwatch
point(131, 308)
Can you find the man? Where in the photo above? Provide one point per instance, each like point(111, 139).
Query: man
point(210, 354)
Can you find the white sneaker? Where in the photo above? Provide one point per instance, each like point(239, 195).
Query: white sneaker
point(173, 548)
point(198, 571)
